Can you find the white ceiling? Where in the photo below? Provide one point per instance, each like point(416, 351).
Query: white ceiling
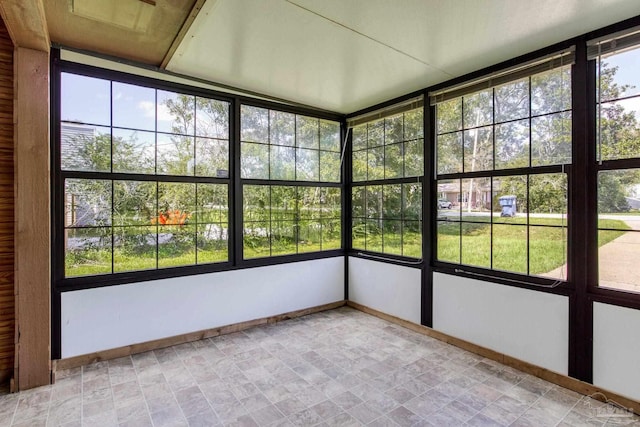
point(345, 55)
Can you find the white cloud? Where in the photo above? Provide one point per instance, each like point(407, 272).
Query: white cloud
point(149, 110)
point(164, 114)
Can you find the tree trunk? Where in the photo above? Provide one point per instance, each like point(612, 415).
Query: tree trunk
point(473, 161)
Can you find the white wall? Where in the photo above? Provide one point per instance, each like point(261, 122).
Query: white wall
point(529, 325)
point(389, 288)
point(616, 349)
point(115, 316)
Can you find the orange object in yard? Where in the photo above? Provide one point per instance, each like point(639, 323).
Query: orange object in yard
point(171, 217)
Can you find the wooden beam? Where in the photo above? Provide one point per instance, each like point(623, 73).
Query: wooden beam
point(183, 32)
point(33, 290)
point(27, 23)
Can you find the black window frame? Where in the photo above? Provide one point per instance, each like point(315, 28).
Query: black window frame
point(60, 283)
point(596, 163)
point(495, 73)
point(494, 173)
point(403, 104)
point(270, 182)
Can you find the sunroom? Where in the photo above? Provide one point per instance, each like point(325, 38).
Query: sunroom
point(230, 212)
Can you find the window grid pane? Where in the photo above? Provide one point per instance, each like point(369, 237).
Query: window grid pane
point(388, 148)
point(618, 176)
point(287, 220)
point(387, 219)
point(115, 225)
point(280, 146)
point(508, 222)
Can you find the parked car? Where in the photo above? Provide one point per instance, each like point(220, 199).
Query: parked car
point(444, 204)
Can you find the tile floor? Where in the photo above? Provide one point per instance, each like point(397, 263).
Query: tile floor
point(336, 368)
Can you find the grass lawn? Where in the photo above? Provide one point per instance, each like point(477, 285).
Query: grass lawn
point(92, 262)
point(466, 243)
point(259, 248)
point(409, 244)
point(98, 261)
point(470, 243)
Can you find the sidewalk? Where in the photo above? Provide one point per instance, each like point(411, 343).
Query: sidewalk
point(619, 261)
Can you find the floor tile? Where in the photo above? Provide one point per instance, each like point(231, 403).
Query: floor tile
point(267, 415)
point(204, 419)
point(306, 417)
point(365, 413)
point(404, 417)
point(327, 409)
point(336, 368)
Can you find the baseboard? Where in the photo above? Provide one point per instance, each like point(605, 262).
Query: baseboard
point(529, 368)
point(114, 353)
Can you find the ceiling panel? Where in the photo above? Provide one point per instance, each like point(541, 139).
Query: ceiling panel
point(345, 55)
point(279, 49)
point(461, 36)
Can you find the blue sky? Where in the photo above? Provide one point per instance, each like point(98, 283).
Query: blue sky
point(87, 100)
point(628, 64)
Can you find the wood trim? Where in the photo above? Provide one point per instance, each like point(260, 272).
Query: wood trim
point(183, 32)
point(27, 23)
point(114, 353)
point(32, 243)
point(529, 368)
point(7, 206)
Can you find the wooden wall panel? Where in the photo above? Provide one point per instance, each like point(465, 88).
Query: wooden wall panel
point(7, 224)
point(32, 255)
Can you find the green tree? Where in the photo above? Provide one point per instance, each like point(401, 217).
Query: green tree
point(611, 192)
point(619, 138)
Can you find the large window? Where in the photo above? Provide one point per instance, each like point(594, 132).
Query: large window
point(387, 165)
point(291, 171)
point(618, 161)
point(145, 177)
point(501, 184)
